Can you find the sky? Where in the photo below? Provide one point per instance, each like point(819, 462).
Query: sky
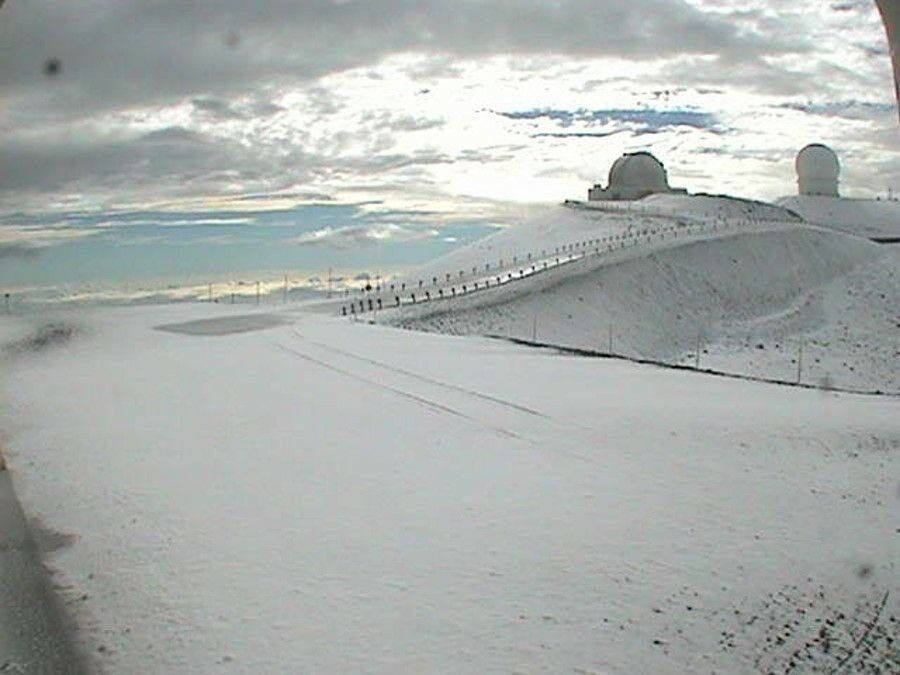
point(153, 139)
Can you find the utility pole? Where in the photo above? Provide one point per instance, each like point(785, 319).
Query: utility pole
point(257, 292)
point(210, 293)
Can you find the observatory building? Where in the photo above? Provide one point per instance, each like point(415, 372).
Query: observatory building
point(818, 171)
point(634, 176)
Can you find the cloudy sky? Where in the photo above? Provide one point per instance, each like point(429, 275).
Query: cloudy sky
point(220, 135)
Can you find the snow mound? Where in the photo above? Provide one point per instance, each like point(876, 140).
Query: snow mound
point(575, 222)
point(736, 295)
point(874, 219)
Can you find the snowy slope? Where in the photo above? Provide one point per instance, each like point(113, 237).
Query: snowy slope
point(848, 331)
point(328, 496)
point(864, 217)
point(730, 291)
point(716, 206)
point(574, 222)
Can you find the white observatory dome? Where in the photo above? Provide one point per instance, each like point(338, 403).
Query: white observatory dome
point(818, 171)
point(634, 176)
point(639, 172)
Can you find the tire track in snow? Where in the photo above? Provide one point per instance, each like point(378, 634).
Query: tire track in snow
point(440, 407)
point(588, 433)
point(425, 378)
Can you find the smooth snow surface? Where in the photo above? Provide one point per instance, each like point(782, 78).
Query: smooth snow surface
point(864, 217)
point(225, 325)
point(329, 496)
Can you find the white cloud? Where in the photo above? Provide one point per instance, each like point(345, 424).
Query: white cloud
point(354, 236)
point(159, 104)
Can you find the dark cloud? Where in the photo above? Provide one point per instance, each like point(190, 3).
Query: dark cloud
point(156, 102)
point(215, 107)
point(118, 54)
point(18, 251)
point(221, 109)
point(171, 156)
point(175, 161)
point(852, 109)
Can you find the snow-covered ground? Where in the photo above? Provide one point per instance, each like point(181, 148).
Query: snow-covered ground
point(753, 293)
point(876, 219)
point(844, 333)
point(308, 494)
point(562, 226)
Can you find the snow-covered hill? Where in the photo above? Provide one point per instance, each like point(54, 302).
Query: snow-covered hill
point(749, 293)
point(563, 226)
point(875, 219)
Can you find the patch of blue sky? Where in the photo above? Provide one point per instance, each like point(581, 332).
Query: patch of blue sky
point(644, 118)
point(141, 246)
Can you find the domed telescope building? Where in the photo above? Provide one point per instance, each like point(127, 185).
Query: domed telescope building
point(818, 171)
point(634, 176)
point(818, 200)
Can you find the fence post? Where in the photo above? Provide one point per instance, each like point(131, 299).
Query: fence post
point(800, 363)
point(697, 354)
point(257, 292)
point(610, 339)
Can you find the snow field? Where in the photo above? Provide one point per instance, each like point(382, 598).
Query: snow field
point(329, 496)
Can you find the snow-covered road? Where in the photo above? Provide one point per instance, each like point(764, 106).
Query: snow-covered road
point(325, 496)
